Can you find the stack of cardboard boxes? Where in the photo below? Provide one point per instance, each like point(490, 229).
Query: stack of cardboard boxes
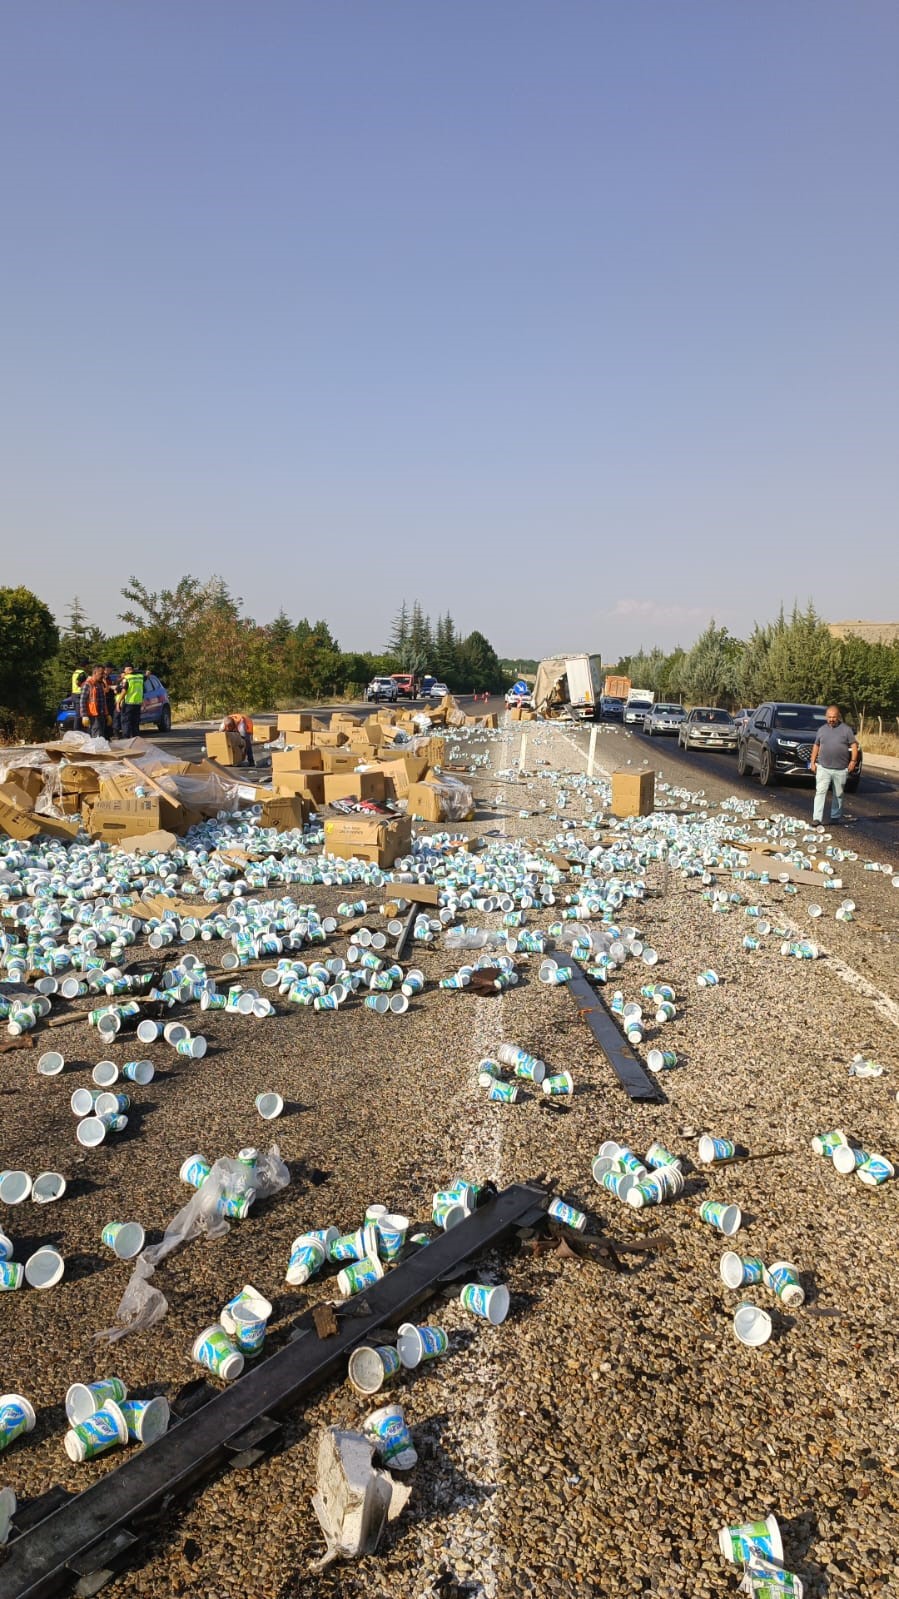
point(320, 765)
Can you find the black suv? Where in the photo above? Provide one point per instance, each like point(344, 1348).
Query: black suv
point(777, 742)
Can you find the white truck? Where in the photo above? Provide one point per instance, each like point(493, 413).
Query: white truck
point(570, 682)
point(638, 704)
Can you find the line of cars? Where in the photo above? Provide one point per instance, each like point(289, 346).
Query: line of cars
point(773, 740)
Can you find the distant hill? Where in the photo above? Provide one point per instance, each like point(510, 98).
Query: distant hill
point(871, 632)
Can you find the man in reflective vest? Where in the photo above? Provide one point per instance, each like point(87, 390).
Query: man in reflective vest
point(92, 704)
point(131, 691)
point(78, 676)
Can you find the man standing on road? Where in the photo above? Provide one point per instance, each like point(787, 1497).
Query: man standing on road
point(92, 704)
point(834, 756)
point(131, 698)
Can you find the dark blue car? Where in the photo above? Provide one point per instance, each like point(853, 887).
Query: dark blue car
point(155, 707)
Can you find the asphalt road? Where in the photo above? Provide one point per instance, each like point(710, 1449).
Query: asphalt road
point(872, 813)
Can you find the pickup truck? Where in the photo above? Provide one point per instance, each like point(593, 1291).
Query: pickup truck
point(381, 688)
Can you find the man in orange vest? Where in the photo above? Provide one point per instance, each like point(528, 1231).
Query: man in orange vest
point(92, 705)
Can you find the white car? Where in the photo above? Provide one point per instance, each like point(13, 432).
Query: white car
point(523, 700)
point(438, 691)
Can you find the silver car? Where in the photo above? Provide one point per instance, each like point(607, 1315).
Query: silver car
point(707, 727)
point(663, 719)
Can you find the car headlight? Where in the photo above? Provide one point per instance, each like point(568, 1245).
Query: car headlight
point(788, 743)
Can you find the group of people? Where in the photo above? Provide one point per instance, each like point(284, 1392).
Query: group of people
point(105, 706)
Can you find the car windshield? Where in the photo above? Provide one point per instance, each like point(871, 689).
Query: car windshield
point(667, 710)
point(801, 716)
point(710, 716)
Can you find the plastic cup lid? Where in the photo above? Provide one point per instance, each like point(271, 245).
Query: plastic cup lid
point(44, 1268)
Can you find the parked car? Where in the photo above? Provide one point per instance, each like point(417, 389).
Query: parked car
point(438, 691)
point(381, 688)
point(635, 712)
point(707, 727)
point(663, 719)
point(611, 708)
point(405, 684)
point(778, 742)
point(155, 709)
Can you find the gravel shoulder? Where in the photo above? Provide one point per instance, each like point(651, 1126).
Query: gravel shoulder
point(596, 1440)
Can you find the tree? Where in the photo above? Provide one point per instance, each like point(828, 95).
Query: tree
point(479, 665)
point(398, 643)
point(709, 672)
point(444, 661)
point(802, 659)
point(29, 639)
point(421, 642)
point(80, 640)
point(164, 621)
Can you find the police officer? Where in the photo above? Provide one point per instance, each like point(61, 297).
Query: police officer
point(131, 690)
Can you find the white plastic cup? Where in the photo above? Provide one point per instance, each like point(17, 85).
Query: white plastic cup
point(250, 1295)
point(214, 1350)
point(391, 1234)
point(269, 1106)
point(105, 1429)
point(249, 1327)
point(370, 1367)
point(173, 1032)
point(782, 1277)
point(124, 1238)
point(47, 1187)
point(44, 1268)
point(738, 1541)
point(15, 1187)
point(416, 1344)
point(752, 1326)
point(51, 1063)
point(139, 1071)
point(391, 1437)
point(83, 1399)
point(16, 1417)
point(358, 1275)
point(193, 1048)
point(307, 1256)
point(148, 1031)
point(105, 1073)
point(91, 1132)
point(83, 1101)
point(491, 1304)
point(146, 1419)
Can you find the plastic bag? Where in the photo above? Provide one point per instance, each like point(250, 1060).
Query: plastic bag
point(142, 1305)
point(455, 799)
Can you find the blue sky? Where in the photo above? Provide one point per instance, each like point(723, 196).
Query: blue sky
point(578, 320)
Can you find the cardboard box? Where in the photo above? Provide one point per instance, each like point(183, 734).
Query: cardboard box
point(345, 760)
point(368, 838)
point(12, 794)
point(285, 812)
point(368, 733)
point(354, 785)
point(295, 761)
point(633, 793)
point(225, 747)
point(79, 780)
point(29, 778)
point(112, 819)
point(295, 722)
point(309, 785)
point(326, 740)
point(424, 801)
point(263, 731)
point(17, 823)
point(401, 772)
